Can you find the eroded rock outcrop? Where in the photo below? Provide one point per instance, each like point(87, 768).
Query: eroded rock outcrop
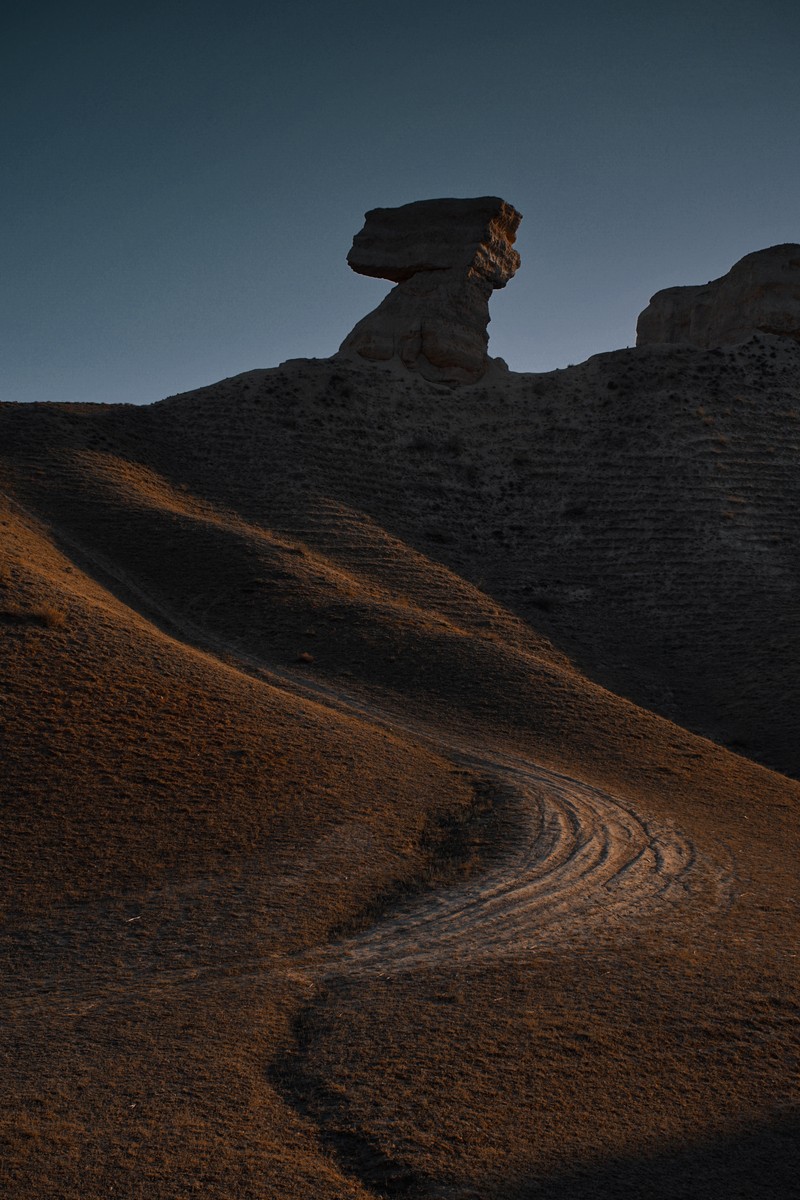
point(446, 257)
point(760, 294)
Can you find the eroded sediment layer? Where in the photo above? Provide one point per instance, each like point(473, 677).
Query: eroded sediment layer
point(760, 294)
point(446, 257)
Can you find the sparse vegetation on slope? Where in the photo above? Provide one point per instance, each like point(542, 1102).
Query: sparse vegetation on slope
point(360, 834)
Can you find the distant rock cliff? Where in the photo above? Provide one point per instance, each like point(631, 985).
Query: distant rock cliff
point(760, 294)
point(446, 257)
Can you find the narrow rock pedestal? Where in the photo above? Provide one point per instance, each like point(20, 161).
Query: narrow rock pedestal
point(446, 257)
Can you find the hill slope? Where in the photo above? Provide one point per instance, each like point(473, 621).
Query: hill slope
point(362, 832)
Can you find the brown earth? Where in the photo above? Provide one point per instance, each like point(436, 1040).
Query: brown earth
point(372, 824)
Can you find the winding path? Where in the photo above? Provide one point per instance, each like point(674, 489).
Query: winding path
point(583, 862)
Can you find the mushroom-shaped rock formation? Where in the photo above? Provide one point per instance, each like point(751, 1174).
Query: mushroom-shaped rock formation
point(446, 257)
point(760, 294)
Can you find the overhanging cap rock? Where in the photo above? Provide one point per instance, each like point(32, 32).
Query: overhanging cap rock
point(475, 236)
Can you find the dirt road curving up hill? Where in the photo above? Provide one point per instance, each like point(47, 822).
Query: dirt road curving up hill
point(371, 819)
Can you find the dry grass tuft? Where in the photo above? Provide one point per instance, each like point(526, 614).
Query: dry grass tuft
point(46, 615)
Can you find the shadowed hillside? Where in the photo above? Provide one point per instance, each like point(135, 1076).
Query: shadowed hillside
point(371, 823)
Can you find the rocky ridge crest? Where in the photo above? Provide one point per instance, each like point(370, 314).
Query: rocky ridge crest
point(760, 294)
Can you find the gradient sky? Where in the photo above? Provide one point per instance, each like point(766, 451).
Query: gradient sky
point(182, 181)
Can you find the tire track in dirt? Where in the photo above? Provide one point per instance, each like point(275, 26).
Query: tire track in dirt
point(583, 862)
point(581, 865)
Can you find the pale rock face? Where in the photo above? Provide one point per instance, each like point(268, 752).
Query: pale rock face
point(760, 294)
point(446, 256)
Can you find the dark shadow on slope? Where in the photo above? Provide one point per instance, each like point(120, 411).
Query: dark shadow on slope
point(356, 1153)
point(751, 1161)
point(457, 846)
point(758, 1161)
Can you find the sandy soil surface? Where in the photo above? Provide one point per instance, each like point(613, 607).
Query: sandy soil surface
point(398, 785)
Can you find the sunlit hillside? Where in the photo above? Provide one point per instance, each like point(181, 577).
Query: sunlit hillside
point(399, 784)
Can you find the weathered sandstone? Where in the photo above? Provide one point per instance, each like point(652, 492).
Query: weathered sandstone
point(446, 257)
point(760, 294)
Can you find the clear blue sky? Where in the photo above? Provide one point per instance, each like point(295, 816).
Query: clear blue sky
point(182, 181)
